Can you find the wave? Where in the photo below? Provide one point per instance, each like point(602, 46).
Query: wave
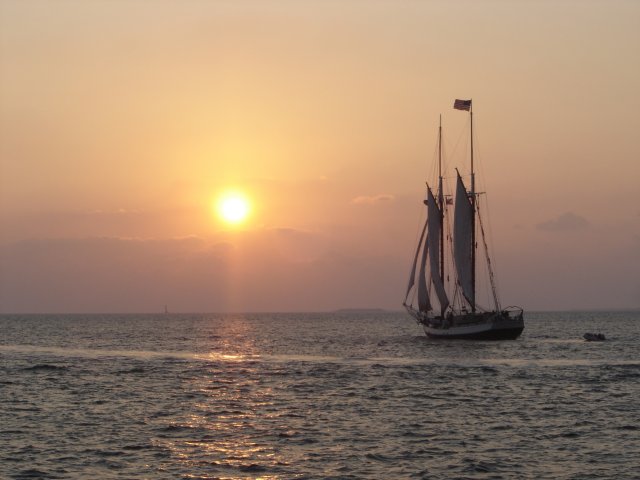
point(373, 361)
point(46, 367)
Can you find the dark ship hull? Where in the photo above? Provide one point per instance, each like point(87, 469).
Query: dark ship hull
point(505, 325)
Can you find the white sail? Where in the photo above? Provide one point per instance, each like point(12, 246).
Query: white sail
point(423, 295)
point(463, 241)
point(412, 277)
point(434, 247)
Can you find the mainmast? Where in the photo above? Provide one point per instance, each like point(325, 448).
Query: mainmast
point(441, 204)
point(466, 105)
point(473, 217)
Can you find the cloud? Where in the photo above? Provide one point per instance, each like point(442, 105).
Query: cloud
point(373, 200)
point(289, 231)
point(566, 222)
point(116, 212)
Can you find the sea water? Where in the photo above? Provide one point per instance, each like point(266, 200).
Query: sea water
point(327, 395)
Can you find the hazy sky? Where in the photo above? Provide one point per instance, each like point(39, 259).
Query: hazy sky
point(121, 122)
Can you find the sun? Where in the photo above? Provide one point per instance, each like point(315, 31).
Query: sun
point(233, 207)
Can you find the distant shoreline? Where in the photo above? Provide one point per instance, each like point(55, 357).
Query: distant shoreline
point(360, 310)
point(340, 310)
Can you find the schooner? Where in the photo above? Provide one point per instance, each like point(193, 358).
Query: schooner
point(445, 307)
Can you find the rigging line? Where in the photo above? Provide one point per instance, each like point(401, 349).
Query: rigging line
point(447, 191)
point(445, 158)
point(486, 292)
point(458, 299)
point(477, 151)
point(463, 134)
point(489, 267)
point(491, 240)
point(488, 245)
point(433, 172)
point(490, 250)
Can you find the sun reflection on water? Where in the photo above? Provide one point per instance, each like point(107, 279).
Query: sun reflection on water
point(227, 412)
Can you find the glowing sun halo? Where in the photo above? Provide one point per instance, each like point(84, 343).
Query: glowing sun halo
point(233, 208)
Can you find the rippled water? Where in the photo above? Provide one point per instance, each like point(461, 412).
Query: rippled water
point(316, 396)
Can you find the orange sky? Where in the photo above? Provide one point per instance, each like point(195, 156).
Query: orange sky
point(121, 122)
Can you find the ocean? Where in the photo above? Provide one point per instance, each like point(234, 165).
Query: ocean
point(346, 395)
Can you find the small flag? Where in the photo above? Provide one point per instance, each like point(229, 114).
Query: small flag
point(462, 105)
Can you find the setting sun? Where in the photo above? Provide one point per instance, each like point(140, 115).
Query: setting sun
point(233, 207)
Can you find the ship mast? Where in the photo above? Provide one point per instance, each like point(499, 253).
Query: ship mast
point(441, 204)
point(473, 217)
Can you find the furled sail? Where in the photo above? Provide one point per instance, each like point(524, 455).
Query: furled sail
point(423, 295)
point(434, 250)
point(463, 241)
point(412, 277)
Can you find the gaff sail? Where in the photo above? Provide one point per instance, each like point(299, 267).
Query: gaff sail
point(424, 304)
point(412, 277)
point(463, 241)
point(434, 249)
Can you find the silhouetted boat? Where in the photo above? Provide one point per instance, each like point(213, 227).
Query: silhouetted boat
point(458, 314)
point(594, 337)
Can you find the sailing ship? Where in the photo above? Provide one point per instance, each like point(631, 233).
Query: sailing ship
point(446, 303)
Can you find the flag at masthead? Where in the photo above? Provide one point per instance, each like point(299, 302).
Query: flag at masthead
point(462, 105)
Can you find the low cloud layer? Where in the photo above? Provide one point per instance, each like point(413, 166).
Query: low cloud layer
point(566, 222)
point(373, 200)
point(267, 270)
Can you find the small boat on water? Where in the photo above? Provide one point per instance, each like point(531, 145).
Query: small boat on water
point(594, 337)
point(445, 300)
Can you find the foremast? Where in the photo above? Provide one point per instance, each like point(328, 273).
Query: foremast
point(431, 248)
